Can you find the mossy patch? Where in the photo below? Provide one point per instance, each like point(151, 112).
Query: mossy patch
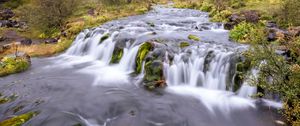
point(10, 65)
point(154, 75)
point(104, 37)
point(194, 37)
point(184, 44)
point(19, 120)
point(142, 53)
point(117, 55)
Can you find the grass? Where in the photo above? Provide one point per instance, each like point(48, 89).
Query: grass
point(78, 22)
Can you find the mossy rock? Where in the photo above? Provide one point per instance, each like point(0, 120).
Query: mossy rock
point(19, 120)
point(184, 44)
point(104, 37)
point(242, 68)
point(144, 49)
point(12, 64)
point(154, 75)
point(194, 38)
point(117, 55)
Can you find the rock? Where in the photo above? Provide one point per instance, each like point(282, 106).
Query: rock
point(251, 16)
point(277, 34)
point(193, 37)
point(184, 44)
point(117, 55)
point(6, 14)
point(271, 36)
point(236, 18)
point(142, 53)
point(26, 41)
point(229, 25)
point(51, 41)
point(271, 24)
point(154, 75)
point(294, 31)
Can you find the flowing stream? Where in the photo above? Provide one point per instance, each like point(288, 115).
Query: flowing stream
point(82, 86)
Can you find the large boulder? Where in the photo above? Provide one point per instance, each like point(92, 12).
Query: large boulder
point(6, 14)
point(251, 16)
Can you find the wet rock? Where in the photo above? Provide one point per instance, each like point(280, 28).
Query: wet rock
point(117, 55)
point(142, 53)
point(26, 41)
point(154, 75)
point(184, 44)
point(51, 41)
point(209, 57)
point(104, 37)
point(271, 24)
point(236, 18)
point(229, 25)
point(2, 38)
point(251, 16)
point(6, 14)
point(193, 37)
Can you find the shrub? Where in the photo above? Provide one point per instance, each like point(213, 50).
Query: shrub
point(47, 16)
point(221, 16)
point(289, 13)
point(248, 33)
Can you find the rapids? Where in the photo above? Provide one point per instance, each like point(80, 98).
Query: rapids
point(83, 87)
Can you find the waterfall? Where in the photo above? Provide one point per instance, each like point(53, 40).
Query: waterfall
point(208, 68)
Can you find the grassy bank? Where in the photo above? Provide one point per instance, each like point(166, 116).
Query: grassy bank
point(87, 15)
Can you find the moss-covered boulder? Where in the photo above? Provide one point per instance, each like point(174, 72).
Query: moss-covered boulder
point(104, 37)
point(117, 55)
point(193, 37)
point(144, 49)
point(18, 120)
point(14, 64)
point(154, 75)
point(184, 44)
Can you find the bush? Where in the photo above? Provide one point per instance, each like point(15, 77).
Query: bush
point(47, 16)
point(289, 13)
point(221, 16)
point(248, 33)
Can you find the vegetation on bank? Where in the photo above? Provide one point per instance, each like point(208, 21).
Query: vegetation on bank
point(64, 19)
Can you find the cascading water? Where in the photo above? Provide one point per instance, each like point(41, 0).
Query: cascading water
point(204, 70)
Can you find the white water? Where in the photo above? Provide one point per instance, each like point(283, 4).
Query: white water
point(189, 74)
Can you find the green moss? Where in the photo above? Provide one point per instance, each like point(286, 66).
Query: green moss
point(184, 44)
point(193, 37)
point(10, 65)
point(142, 10)
point(104, 37)
point(117, 55)
point(18, 120)
point(154, 75)
point(142, 53)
